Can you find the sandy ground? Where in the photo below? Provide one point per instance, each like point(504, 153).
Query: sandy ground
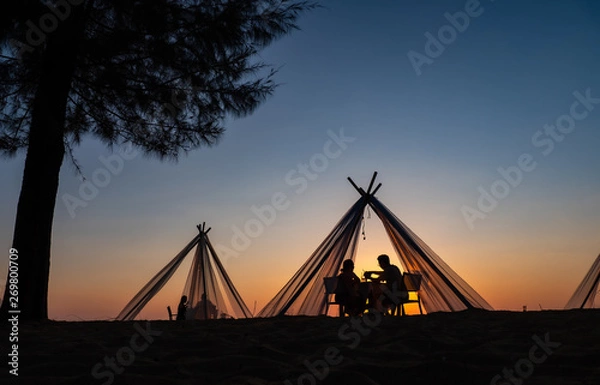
point(471, 347)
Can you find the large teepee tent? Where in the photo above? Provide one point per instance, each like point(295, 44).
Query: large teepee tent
point(208, 287)
point(584, 296)
point(441, 289)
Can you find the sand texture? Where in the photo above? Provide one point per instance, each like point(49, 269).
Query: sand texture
point(471, 347)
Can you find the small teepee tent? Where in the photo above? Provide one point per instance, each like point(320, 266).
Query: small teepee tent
point(441, 288)
point(209, 289)
point(584, 296)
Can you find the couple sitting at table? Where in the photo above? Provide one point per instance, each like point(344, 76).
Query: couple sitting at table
point(387, 281)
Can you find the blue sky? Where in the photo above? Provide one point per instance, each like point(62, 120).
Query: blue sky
point(435, 138)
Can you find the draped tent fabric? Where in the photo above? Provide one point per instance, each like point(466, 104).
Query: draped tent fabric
point(442, 289)
point(585, 294)
point(137, 303)
point(208, 279)
point(207, 285)
point(305, 289)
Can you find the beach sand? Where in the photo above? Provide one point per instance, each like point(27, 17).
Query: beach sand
point(470, 347)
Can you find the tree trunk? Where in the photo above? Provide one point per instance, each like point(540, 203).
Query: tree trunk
point(45, 153)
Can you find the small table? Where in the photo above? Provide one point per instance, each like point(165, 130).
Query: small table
point(364, 289)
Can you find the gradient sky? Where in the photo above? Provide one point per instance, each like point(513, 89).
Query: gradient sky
point(437, 140)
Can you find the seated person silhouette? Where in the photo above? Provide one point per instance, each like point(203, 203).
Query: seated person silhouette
point(205, 309)
point(182, 308)
point(388, 289)
point(347, 290)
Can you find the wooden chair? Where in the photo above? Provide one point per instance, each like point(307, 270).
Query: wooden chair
point(171, 315)
point(330, 284)
point(412, 284)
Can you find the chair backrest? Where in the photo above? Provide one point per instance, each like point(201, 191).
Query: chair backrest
point(412, 281)
point(330, 284)
point(170, 313)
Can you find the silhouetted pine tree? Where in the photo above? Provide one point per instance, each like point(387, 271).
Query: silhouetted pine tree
point(159, 74)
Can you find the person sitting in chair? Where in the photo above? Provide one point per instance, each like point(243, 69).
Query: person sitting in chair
point(386, 282)
point(205, 309)
point(182, 308)
point(347, 293)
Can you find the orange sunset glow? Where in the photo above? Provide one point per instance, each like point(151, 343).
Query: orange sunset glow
point(486, 147)
point(505, 273)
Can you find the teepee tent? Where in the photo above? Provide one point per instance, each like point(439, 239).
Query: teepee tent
point(441, 288)
point(209, 289)
point(584, 295)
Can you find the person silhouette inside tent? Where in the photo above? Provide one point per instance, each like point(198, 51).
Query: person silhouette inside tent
point(182, 308)
point(205, 309)
point(347, 291)
point(388, 288)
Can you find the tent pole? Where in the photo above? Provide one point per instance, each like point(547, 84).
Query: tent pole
point(355, 186)
point(361, 191)
point(409, 240)
point(372, 181)
point(353, 225)
point(376, 188)
point(592, 289)
point(203, 272)
point(236, 295)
